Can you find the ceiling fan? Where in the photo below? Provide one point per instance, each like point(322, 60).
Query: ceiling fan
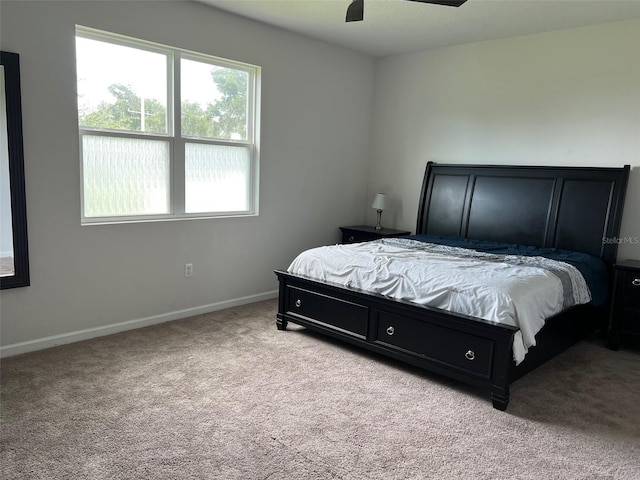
point(355, 12)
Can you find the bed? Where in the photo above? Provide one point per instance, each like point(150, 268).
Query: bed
point(567, 210)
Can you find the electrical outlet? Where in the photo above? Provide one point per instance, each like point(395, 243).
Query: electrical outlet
point(188, 269)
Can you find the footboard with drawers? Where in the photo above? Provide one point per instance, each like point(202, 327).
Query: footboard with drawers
point(469, 349)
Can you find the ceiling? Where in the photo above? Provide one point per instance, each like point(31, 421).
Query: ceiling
point(398, 26)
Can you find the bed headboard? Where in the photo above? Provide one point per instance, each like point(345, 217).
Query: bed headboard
point(573, 208)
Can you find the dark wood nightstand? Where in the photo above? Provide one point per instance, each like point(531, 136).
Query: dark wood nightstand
point(625, 306)
point(364, 233)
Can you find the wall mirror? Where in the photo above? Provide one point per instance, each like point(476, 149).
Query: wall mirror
point(14, 252)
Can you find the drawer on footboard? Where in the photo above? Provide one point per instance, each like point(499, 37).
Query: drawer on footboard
point(328, 311)
point(445, 345)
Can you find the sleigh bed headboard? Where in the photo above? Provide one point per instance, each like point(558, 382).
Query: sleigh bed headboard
point(572, 208)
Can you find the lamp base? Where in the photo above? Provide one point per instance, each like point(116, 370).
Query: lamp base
point(378, 226)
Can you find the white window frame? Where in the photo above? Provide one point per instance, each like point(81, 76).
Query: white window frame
point(174, 135)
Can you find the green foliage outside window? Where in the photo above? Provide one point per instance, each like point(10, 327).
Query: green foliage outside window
point(226, 118)
point(127, 113)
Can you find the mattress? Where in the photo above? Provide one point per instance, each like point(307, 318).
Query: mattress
point(501, 283)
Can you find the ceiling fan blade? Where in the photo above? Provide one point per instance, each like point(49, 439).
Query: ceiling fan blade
point(449, 3)
point(355, 12)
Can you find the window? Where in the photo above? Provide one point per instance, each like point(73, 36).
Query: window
point(164, 133)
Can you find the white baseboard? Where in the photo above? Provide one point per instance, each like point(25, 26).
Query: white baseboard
point(86, 334)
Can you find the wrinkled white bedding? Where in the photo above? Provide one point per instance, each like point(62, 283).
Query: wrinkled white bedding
point(514, 290)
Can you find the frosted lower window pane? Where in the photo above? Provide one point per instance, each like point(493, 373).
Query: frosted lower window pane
point(217, 178)
point(125, 176)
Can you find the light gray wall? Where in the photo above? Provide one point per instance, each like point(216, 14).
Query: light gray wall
point(570, 97)
point(316, 110)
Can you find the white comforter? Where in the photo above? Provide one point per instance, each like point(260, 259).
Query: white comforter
point(515, 290)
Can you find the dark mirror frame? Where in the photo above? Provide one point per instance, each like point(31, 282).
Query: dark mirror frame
point(11, 63)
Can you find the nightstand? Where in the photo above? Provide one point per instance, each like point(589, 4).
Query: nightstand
point(364, 233)
point(624, 319)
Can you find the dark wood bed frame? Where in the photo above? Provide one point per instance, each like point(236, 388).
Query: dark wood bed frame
point(572, 208)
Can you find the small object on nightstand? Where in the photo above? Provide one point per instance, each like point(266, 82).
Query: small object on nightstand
point(379, 204)
point(624, 319)
point(365, 233)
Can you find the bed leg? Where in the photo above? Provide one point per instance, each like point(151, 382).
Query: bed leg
point(281, 322)
point(500, 398)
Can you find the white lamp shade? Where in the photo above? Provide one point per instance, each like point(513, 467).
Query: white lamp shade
point(380, 202)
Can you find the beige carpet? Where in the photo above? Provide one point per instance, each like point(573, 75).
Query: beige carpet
point(227, 396)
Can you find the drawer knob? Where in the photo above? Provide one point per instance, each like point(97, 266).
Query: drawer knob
point(390, 330)
point(298, 303)
point(470, 355)
point(636, 282)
